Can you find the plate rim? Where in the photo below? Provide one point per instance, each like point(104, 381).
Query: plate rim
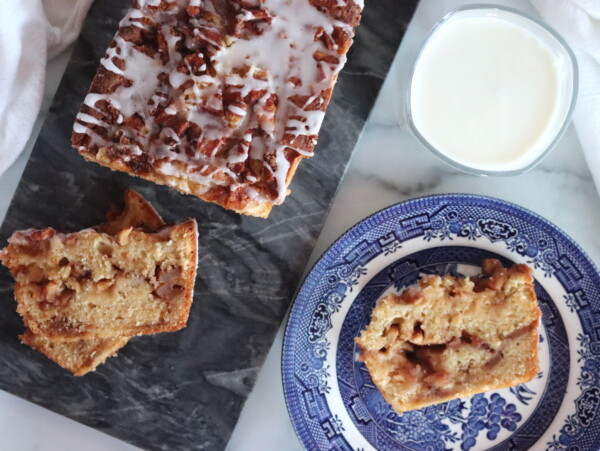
point(287, 366)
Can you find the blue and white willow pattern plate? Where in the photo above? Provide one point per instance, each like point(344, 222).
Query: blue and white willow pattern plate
point(331, 399)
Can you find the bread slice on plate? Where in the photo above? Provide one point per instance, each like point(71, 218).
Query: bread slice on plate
point(82, 295)
point(220, 99)
point(449, 337)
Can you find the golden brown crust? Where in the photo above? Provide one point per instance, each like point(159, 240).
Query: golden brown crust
point(251, 207)
point(445, 338)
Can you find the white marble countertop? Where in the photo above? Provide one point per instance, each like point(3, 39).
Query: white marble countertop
point(389, 166)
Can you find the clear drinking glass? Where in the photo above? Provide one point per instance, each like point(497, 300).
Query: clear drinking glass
point(564, 59)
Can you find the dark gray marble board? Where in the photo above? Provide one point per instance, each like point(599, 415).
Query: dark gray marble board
point(185, 390)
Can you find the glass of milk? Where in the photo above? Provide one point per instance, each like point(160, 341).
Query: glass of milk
point(492, 90)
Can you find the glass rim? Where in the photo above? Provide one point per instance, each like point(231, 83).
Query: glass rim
point(561, 130)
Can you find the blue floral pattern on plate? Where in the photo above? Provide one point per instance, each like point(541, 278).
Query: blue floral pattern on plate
point(489, 414)
point(331, 399)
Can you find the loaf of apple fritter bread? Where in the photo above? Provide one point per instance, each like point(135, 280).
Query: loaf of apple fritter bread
point(82, 295)
point(448, 337)
point(220, 99)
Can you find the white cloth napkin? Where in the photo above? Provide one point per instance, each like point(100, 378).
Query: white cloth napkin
point(578, 21)
point(30, 32)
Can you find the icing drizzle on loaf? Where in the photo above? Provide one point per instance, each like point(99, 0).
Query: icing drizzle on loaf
point(227, 95)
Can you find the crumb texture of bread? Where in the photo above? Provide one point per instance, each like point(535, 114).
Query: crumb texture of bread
point(91, 285)
point(449, 337)
point(79, 356)
point(83, 295)
point(220, 99)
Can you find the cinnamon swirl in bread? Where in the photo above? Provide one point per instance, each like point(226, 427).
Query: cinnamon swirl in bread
point(220, 99)
point(448, 337)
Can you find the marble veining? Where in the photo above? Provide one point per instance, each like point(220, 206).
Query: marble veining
point(185, 390)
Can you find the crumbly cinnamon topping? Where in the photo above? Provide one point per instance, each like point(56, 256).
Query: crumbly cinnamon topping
point(224, 94)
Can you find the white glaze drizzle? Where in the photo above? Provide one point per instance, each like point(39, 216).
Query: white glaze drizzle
point(283, 49)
